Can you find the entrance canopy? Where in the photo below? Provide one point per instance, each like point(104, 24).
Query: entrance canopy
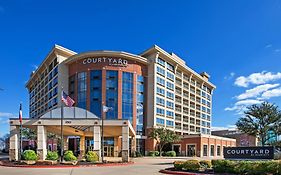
point(76, 122)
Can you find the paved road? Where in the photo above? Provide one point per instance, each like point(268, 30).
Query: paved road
point(141, 166)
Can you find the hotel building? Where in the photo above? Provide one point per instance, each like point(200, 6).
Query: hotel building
point(151, 89)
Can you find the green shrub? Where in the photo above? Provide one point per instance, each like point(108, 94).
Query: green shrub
point(138, 154)
point(247, 167)
point(178, 165)
point(171, 154)
point(92, 156)
point(29, 155)
point(205, 164)
point(69, 156)
point(224, 166)
point(191, 165)
point(52, 155)
point(153, 153)
point(262, 167)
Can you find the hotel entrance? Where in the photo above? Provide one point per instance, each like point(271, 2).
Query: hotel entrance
point(108, 151)
point(108, 148)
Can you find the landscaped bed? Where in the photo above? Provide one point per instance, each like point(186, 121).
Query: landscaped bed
point(30, 159)
point(226, 167)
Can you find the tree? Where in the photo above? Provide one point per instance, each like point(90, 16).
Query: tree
point(3, 141)
point(163, 136)
point(28, 133)
point(260, 120)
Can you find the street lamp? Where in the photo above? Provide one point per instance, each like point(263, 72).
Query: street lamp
point(103, 111)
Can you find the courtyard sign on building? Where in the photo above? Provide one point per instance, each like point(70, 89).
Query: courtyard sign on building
point(266, 152)
point(110, 61)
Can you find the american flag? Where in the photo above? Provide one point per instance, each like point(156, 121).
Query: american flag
point(66, 99)
point(20, 114)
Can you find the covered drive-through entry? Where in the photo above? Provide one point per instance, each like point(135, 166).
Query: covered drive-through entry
point(120, 137)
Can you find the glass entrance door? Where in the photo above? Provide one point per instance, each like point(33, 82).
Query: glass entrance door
point(108, 151)
point(191, 150)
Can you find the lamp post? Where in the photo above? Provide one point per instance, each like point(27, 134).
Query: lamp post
point(104, 109)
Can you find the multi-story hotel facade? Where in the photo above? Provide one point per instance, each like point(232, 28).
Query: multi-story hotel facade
point(152, 89)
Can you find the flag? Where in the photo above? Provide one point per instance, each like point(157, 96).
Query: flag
point(105, 108)
point(20, 114)
point(66, 99)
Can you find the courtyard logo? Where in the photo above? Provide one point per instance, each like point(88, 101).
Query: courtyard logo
point(249, 152)
point(110, 61)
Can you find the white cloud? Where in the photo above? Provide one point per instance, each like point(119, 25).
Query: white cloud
point(257, 78)
point(240, 106)
point(6, 114)
point(272, 93)
point(35, 67)
point(230, 76)
point(256, 91)
point(277, 50)
point(228, 127)
point(268, 46)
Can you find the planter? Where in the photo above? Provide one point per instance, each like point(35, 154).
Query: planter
point(28, 162)
point(70, 162)
point(47, 162)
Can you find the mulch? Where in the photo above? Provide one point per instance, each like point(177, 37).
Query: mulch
point(7, 163)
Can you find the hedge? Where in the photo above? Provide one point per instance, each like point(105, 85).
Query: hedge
point(92, 156)
point(171, 154)
point(52, 155)
point(247, 167)
point(231, 166)
point(69, 156)
point(153, 153)
point(29, 155)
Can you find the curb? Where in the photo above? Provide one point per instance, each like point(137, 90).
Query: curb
point(67, 166)
point(180, 172)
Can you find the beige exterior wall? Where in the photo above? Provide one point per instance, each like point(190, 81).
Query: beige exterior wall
point(189, 86)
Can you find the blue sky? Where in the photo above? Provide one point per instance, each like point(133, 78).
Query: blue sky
point(238, 42)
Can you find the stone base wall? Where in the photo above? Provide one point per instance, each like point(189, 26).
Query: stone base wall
point(41, 154)
point(13, 155)
point(81, 155)
point(125, 155)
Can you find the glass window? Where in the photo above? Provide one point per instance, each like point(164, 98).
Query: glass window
point(112, 94)
point(140, 92)
point(170, 67)
point(161, 61)
point(82, 90)
point(218, 150)
point(205, 150)
point(169, 123)
point(170, 95)
point(160, 71)
point(212, 150)
point(170, 85)
point(160, 101)
point(127, 96)
point(170, 113)
point(95, 92)
point(170, 104)
point(55, 81)
point(160, 91)
point(160, 121)
point(160, 111)
point(170, 76)
point(160, 81)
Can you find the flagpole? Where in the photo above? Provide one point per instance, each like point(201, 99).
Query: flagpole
point(61, 129)
point(102, 137)
point(20, 117)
